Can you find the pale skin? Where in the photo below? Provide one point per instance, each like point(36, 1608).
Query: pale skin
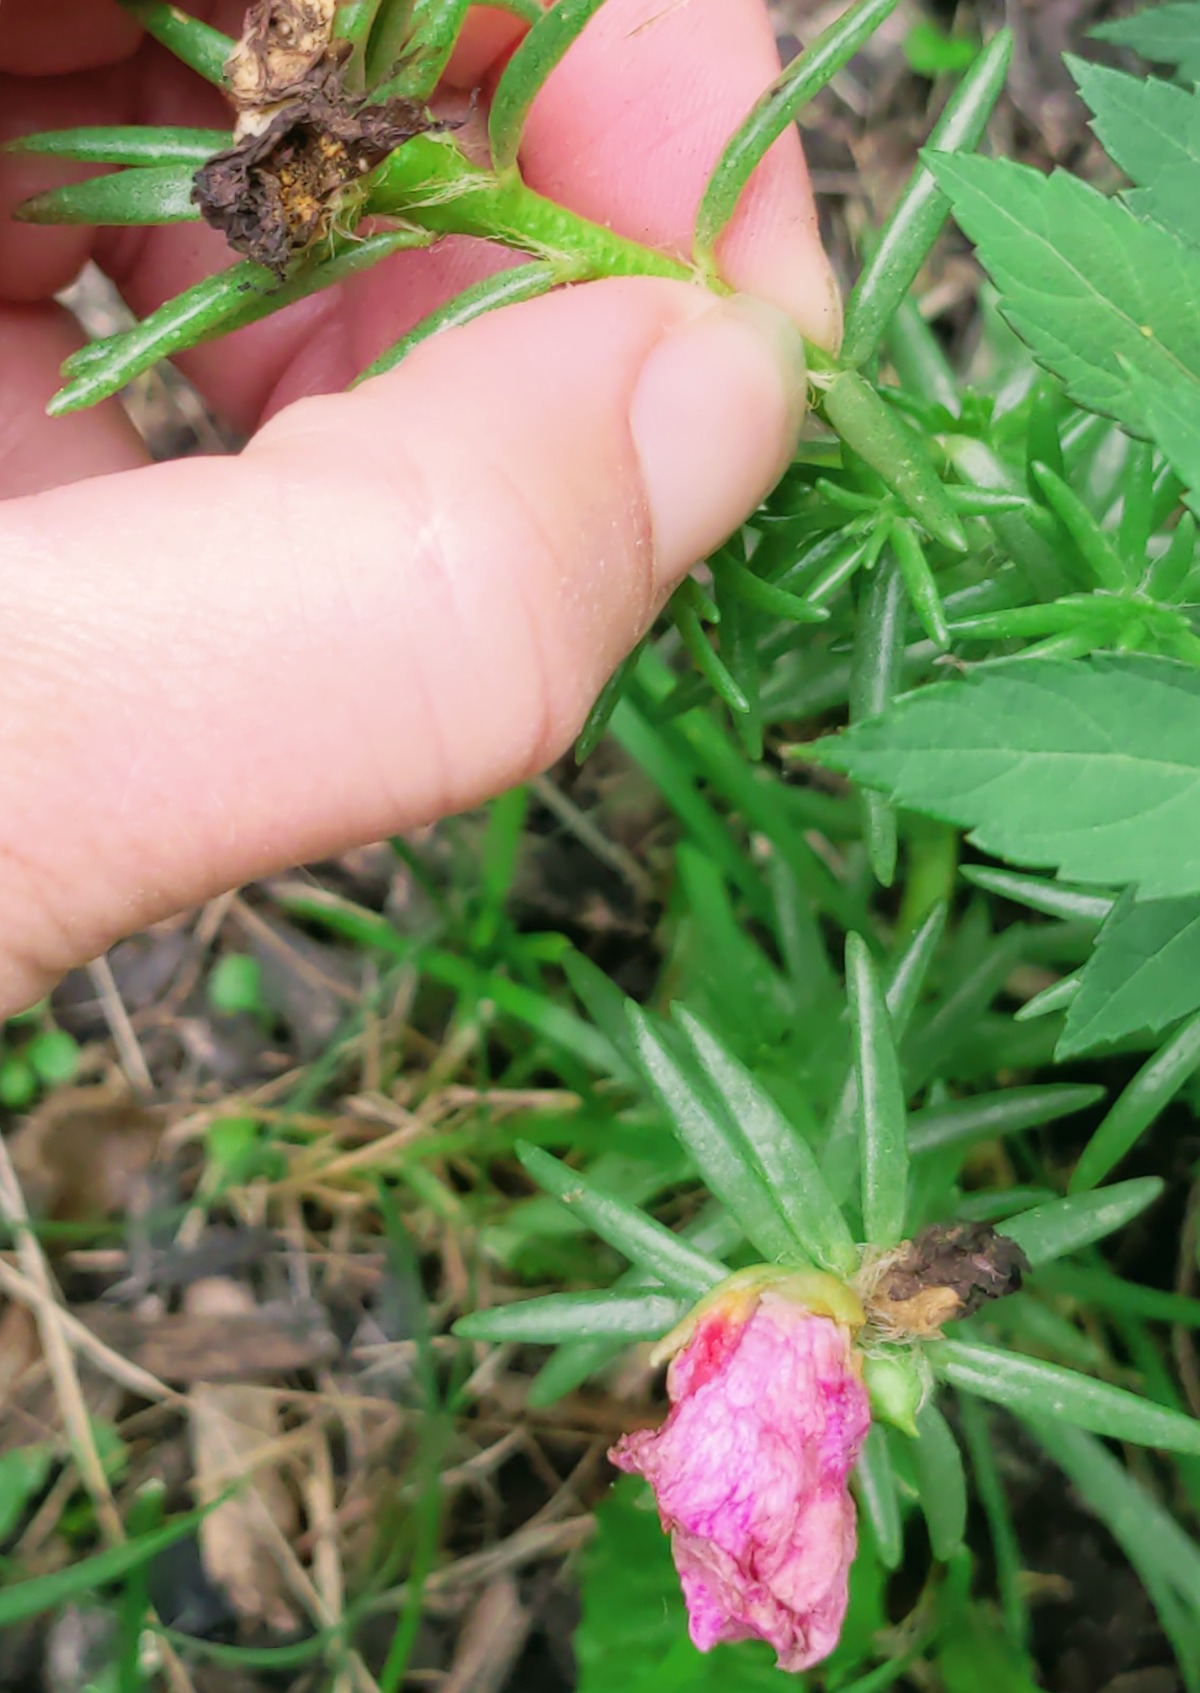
point(396, 602)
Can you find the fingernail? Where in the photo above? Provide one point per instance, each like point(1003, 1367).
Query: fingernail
point(715, 414)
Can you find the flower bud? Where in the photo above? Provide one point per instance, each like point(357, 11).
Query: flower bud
point(750, 1471)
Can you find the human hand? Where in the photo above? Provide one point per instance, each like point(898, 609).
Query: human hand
point(395, 602)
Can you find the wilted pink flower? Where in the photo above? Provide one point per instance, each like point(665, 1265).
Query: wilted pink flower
point(750, 1472)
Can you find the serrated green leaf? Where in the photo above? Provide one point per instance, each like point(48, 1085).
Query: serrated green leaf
point(1165, 34)
point(1172, 413)
point(1034, 1388)
point(1051, 1231)
point(1143, 975)
point(576, 1316)
point(1094, 292)
point(784, 1155)
point(1091, 767)
point(723, 1155)
point(1152, 130)
point(643, 1241)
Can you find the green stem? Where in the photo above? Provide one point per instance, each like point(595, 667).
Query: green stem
point(429, 182)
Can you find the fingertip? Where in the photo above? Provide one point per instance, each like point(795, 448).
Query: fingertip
point(630, 126)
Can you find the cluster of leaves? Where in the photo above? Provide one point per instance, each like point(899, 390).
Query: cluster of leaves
point(1030, 518)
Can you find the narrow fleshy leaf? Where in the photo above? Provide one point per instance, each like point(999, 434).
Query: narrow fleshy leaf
point(1097, 551)
point(606, 702)
point(713, 1233)
point(523, 282)
point(991, 1492)
point(989, 1115)
point(723, 1155)
point(1059, 996)
point(197, 45)
point(630, 1231)
point(895, 452)
point(217, 305)
point(919, 583)
point(1142, 1101)
point(883, 1150)
point(941, 1482)
point(155, 194)
point(576, 1316)
point(875, 670)
point(1055, 899)
point(430, 29)
point(906, 982)
point(907, 238)
point(131, 144)
point(803, 78)
point(878, 1498)
point(1034, 1388)
point(527, 70)
point(1052, 1231)
point(786, 1158)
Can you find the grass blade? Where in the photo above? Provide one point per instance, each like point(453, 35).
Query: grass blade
point(1037, 1389)
point(883, 1146)
point(23, 1599)
point(628, 1230)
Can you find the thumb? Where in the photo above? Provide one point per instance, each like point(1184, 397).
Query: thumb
point(393, 603)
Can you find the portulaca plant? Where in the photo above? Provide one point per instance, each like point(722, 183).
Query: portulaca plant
point(778, 1367)
point(814, 1313)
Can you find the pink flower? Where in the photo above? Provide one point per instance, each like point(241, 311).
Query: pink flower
point(750, 1473)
